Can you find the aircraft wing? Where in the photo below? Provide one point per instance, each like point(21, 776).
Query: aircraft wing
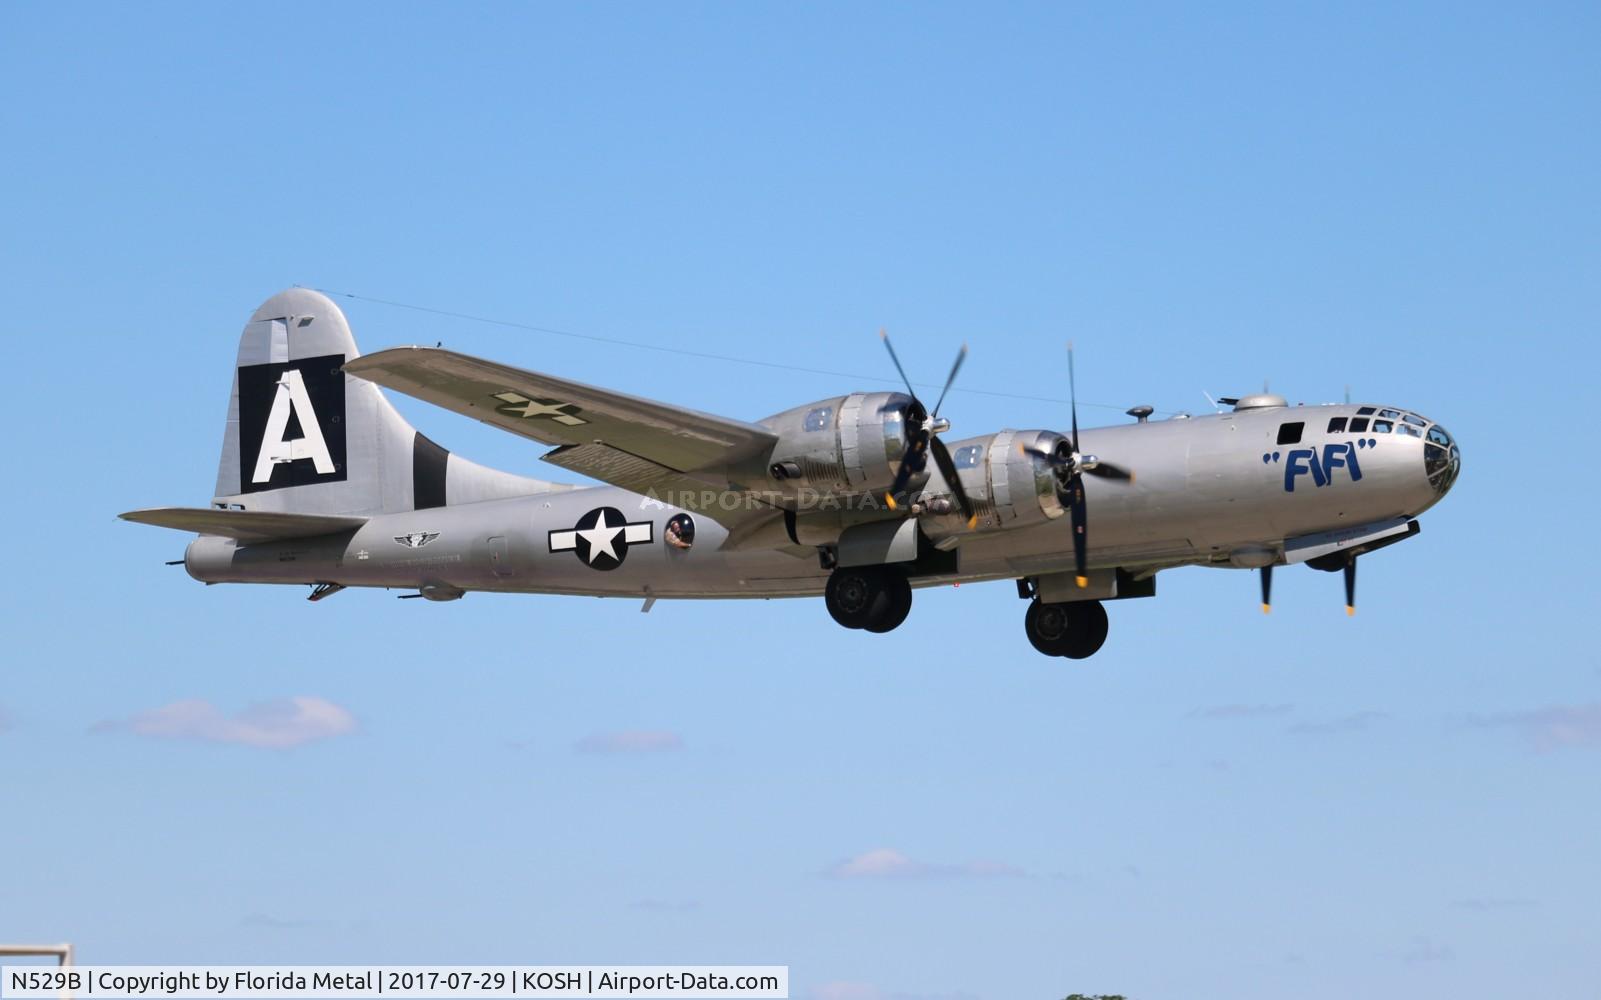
point(638, 444)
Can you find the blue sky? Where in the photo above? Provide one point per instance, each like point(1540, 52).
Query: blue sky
point(1203, 198)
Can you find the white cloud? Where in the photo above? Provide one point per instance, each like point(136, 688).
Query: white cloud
point(1425, 950)
point(630, 741)
point(1492, 903)
point(1356, 722)
point(885, 862)
point(274, 725)
point(1241, 711)
point(1555, 728)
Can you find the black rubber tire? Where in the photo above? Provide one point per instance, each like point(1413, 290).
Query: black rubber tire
point(1088, 630)
point(900, 604)
point(858, 596)
point(1049, 627)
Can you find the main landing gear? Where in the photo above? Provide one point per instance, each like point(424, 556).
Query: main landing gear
point(1074, 630)
point(875, 598)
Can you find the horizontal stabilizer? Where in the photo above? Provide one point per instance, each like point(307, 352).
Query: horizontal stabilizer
point(245, 525)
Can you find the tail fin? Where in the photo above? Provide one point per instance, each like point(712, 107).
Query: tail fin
point(304, 437)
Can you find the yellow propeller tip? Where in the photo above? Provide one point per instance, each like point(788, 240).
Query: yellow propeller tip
point(1350, 611)
point(1267, 609)
point(1083, 581)
point(889, 500)
point(972, 522)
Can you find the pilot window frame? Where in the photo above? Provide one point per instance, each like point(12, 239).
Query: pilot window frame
point(1336, 425)
point(1382, 426)
point(1365, 411)
point(1290, 431)
point(1408, 429)
point(1414, 420)
point(1390, 414)
point(1358, 425)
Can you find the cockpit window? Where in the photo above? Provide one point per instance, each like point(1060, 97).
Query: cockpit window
point(1336, 425)
point(1438, 435)
point(1291, 433)
point(1413, 418)
point(967, 458)
point(1382, 426)
point(1408, 429)
point(1392, 414)
point(1366, 411)
point(817, 419)
point(1359, 424)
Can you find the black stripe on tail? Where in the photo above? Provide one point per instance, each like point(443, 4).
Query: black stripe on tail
point(428, 462)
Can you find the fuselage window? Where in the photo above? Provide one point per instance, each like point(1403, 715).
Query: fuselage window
point(1291, 433)
point(1382, 426)
point(817, 419)
point(1359, 425)
point(1336, 425)
point(1366, 411)
point(1408, 429)
point(967, 458)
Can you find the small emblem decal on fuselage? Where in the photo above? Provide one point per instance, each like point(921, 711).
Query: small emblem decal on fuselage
point(515, 404)
point(416, 539)
point(601, 538)
point(1307, 462)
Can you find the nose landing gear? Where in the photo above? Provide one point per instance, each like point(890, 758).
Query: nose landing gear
point(1074, 630)
point(874, 598)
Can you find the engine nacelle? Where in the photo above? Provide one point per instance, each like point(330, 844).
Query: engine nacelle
point(1010, 487)
point(845, 445)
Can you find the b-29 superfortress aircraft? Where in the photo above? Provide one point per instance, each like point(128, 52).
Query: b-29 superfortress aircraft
point(855, 498)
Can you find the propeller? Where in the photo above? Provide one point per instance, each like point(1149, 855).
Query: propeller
point(1070, 465)
point(1267, 589)
point(921, 439)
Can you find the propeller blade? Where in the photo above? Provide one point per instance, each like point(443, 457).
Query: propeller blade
point(1267, 589)
point(913, 461)
point(1350, 586)
point(1106, 470)
point(947, 469)
point(1072, 396)
point(884, 335)
point(1080, 515)
point(960, 357)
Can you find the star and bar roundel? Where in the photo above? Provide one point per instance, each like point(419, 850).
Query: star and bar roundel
point(601, 538)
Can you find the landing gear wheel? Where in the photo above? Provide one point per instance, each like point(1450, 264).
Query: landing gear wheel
point(900, 604)
point(859, 596)
point(1088, 630)
point(1075, 630)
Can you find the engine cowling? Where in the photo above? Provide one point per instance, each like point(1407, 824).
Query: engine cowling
point(1010, 487)
point(845, 445)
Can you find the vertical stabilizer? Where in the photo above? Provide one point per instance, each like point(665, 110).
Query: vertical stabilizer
point(303, 436)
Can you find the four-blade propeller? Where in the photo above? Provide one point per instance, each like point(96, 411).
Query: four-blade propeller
point(1070, 465)
point(921, 439)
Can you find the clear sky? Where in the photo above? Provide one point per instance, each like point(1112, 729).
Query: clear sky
point(1204, 197)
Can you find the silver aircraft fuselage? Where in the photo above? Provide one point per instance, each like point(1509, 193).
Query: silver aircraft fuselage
point(1211, 490)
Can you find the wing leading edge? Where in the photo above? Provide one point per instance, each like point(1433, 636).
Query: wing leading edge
point(638, 444)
